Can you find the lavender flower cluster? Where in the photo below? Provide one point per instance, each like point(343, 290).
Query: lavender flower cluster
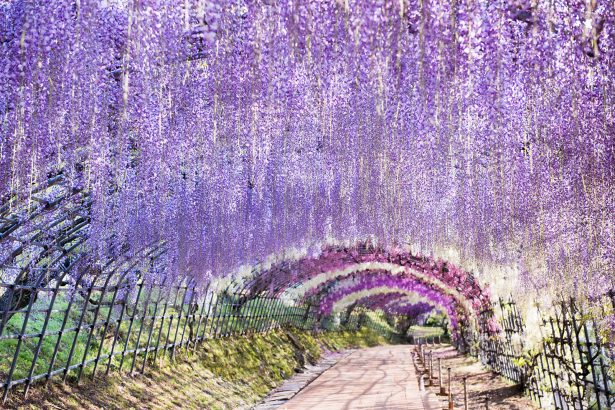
point(233, 130)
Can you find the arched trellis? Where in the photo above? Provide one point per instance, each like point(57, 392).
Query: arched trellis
point(389, 301)
point(319, 292)
point(346, 293)
point(305, 277)
point(408, 307)
point(393, 301)
point(288, 273)
point(318, 289)
point(92, 303)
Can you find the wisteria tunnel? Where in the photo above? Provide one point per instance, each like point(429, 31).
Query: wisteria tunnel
point(179, 176)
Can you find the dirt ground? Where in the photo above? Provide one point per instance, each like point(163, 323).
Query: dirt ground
point(481, 383)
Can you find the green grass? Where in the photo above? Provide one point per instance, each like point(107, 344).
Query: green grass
point(227, 373)
point(250, 318)
point(426, 331)
point(28, 347)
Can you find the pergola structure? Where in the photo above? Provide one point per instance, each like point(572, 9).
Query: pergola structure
point(172, 171)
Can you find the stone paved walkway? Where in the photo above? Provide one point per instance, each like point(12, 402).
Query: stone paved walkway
point(381, 377)
point(292, 386)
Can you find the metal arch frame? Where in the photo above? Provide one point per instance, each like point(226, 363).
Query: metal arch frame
point(395, 298)
point(271, 279)
point(361, 274)
point(405, 293)
point(456, 308)
point(324, 289)
point(269, 283)
point(270, 276)
point(292, 275)
point(84, 279)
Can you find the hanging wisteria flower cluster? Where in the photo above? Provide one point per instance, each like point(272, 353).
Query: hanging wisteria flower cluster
point(309, 276)
point(234, 129)
point(396, 303)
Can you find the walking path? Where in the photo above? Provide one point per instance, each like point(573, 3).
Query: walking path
point(292, 386)
point(381, 377)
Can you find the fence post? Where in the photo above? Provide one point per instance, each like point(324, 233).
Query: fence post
point(216, 317)
point(151, 329)
point(78, 329)
point(211, 313)
point(451, 405)
point(179, 320)
point(279, 313)
point(17, 349)
point(107, 322)
point(164, 315)
point(431, 383)
point(263, 315)
point(195, 339)
point(442, 388)
point(93, 326)
point(115, 337)
point(268, 315)
point(229, 313)
point(41, 336)
point(190, 318)
point(465, 393)
point(60, 334)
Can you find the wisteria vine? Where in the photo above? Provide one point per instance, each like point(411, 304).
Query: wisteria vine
point(235, 129)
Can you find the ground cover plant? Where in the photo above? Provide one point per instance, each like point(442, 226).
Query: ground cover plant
point(223, 374)
point(233, 166)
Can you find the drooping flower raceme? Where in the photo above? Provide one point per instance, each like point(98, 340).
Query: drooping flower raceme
point(233, 130)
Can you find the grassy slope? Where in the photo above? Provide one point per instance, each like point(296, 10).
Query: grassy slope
point(223, 374)
point(126, 339)
point(426, 331)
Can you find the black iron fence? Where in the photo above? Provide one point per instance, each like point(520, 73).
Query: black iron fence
point(358, 318)
point(572, 368)
point(503, 353)
point(375, 321)
point(120, 322)
point(116, 321)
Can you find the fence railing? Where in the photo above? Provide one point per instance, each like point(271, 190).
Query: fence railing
point(72, 331)
point(92, 324)
point(573, 367)
point(376, 322)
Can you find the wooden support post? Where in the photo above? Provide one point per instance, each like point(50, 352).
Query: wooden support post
point(431, 382)
point(451, 405)
point(442, 388)
point(465, 393)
